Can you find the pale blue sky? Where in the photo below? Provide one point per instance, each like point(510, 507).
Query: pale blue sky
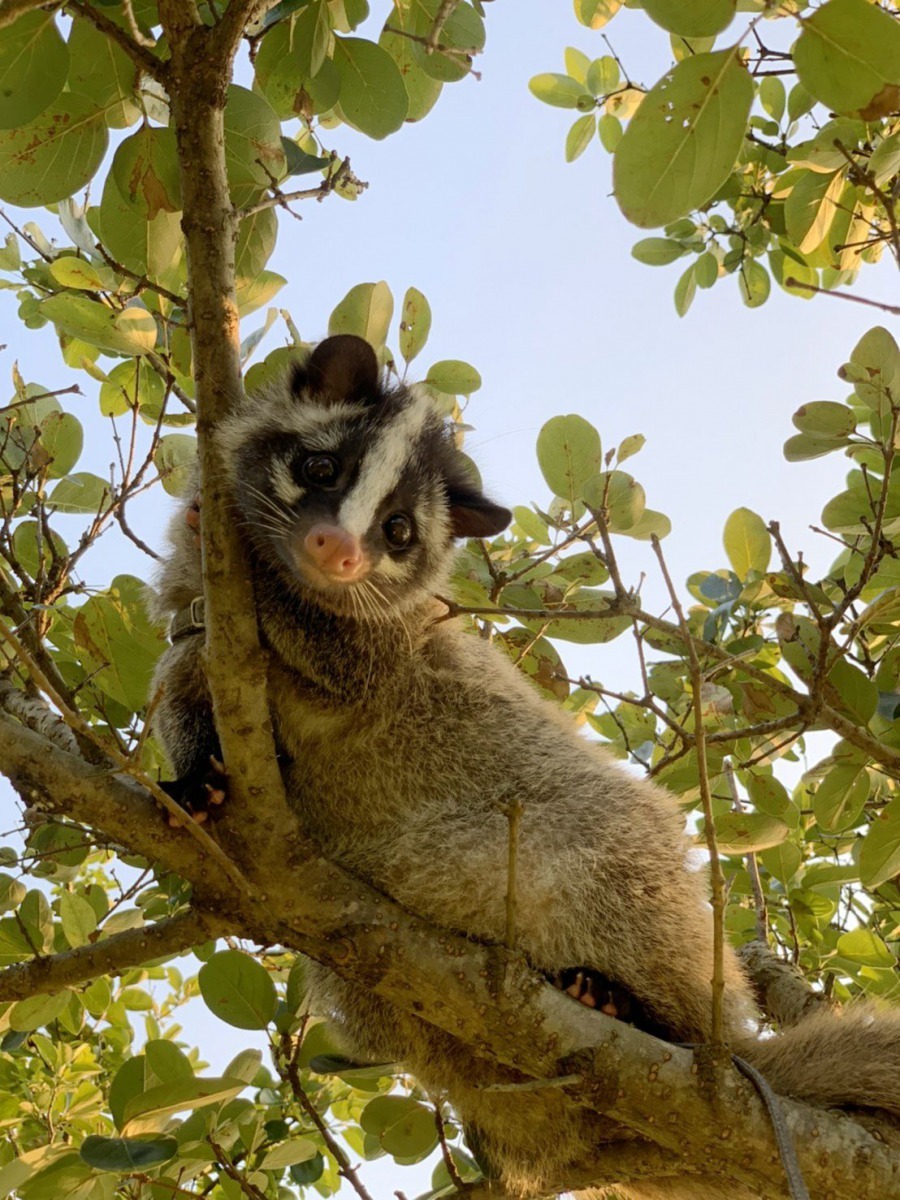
point(526, 263)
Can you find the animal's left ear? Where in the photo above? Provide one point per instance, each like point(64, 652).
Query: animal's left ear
point(342, 367)
point(473, 515)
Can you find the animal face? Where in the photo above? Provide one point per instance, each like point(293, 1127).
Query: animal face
point(353, 490)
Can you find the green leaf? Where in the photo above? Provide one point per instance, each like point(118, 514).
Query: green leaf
point(685, 290)
point(783, 862)
point(366, 310)
point(422, 90)
point(609, 131)
point(62, 438)
point(651, 524)
point(312, 38)
point(144, 1110)
point(657, 252)
point(560, 91)
point(879, 858)
point(34, 63)
point(706, 270)
point(754, 282)
point(580, 136)
point(825, 419)
point(866, 947)
point(769, 795)
point(128, 384)
point(404, 1127)
point(855, 690)
point(577, 63)
point(810, 208)
point(73, 272)
point(175, 457)
point(118, 642)
point(747, 543)
point(848, 57)
point(254, 155)
point(37, 1011)
point(245, 1065)
point(681, 144)
point(131, 331)
point(12, 892)
point(255, 243)
point(415, 324)
point(743, 832)
point(463, 31)
point(840, 798)
point(103, 71)
point(373, 97)
point(569, 453)
point(596, 13)
point(884, 161)
point(80, 493)
point(147, 247)
point(126, 1155)
point(630, 446)
point(53, 156)
point(453, 378)
point(77, 917)
point(145, 167)
point(256, 292)
point(165, 1063)
point(691, 18)
point(772, 96)
point(288, 1154)
point(619, 494)
point(877, 357)
point(238, 990)
point(602, 75)
point(801, 447)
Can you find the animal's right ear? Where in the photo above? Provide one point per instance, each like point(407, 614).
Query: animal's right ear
point(343, 367)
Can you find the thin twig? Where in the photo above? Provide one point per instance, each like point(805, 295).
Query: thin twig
point(292, 1073)
point(140, 55)
point(759, 899)
point(811, 287)
point(717, 878)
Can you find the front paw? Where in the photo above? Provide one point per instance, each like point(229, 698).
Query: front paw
point(200, 792)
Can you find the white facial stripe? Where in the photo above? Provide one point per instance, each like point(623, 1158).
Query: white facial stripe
point(391, 568)
point(283, 484)
point(382, 467)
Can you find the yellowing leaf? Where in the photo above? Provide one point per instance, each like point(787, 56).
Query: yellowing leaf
point(747, 542)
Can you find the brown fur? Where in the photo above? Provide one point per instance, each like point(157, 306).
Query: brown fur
point(402, 740)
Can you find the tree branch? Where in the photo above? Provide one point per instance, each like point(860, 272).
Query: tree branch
point(11, 10)
point(110, 956)
point(783, 993)
point(237, 16)
point(483, 996)
point(139, 54)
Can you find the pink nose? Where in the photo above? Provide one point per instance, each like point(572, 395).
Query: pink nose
point(334, 551)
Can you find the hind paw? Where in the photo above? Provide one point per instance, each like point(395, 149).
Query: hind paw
point(199, 793)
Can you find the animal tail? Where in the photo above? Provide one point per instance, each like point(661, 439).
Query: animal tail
point(835, 1058)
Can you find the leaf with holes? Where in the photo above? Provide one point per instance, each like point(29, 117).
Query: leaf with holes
point(681, 144)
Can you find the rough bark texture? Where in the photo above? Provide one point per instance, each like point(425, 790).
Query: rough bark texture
point(484, 996)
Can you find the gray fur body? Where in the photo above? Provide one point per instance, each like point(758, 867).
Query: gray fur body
point(402, 741)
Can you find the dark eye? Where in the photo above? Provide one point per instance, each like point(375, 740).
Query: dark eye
point(398, 531)
point(321, 470)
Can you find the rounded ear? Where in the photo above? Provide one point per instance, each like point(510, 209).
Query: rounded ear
point(473, 515)
point(343, 367)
